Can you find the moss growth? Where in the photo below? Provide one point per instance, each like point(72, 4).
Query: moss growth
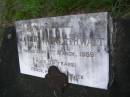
point(13, 10)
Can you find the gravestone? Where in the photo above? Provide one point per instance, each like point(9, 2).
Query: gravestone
point(29, 86)
point(77, 44)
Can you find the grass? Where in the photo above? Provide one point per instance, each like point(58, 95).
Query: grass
point(13, 10)
point(121, 8)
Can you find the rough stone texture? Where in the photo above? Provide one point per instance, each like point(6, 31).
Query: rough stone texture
point(76, 44)
point(14, 84)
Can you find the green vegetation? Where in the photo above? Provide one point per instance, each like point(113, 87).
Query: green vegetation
point(12, 10)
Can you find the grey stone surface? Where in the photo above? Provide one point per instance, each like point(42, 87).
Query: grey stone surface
point(14, 84)
point(77, 44)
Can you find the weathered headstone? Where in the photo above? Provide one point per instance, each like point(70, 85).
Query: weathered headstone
point(77, 44)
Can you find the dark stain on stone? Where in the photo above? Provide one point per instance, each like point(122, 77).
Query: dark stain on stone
point(13, 84)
